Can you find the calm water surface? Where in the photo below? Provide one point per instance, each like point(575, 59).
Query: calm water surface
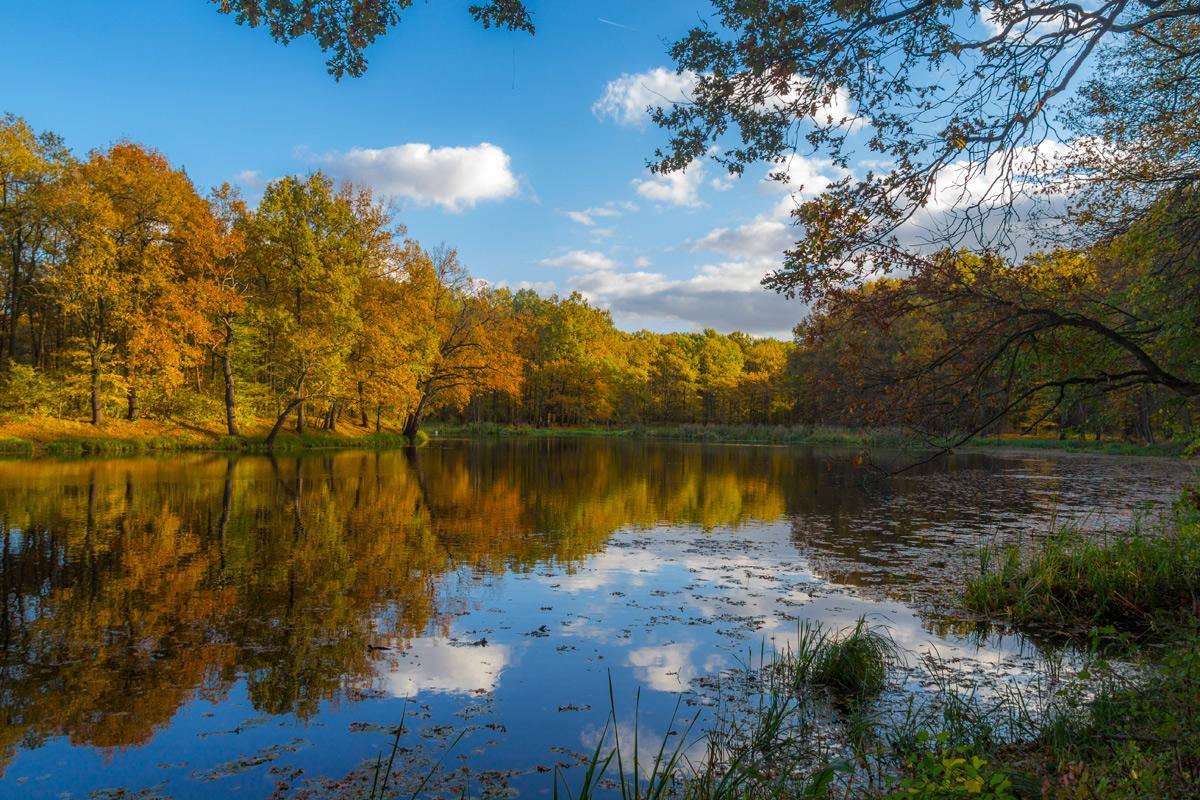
point(202, 625)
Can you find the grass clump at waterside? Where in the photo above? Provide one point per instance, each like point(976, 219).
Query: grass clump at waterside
point(1139, 583)
point(893, 438)
point(852, 665)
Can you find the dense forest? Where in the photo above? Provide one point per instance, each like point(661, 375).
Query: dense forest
point(127, 293)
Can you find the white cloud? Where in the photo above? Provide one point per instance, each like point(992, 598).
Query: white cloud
point(725, 295)
point(641, 262)
point(581, 260)
point(589, 216)
point(452, 177)
point(680, 188)
point(761, 238)
point(627, 98)
point(804, 178)
point(990, 204)
point(433, 664)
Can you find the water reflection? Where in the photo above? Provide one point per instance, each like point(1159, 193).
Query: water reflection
point(134, 589)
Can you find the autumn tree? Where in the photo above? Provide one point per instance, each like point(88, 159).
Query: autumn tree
point(467, 330)
point(571, 359)
point(762, 391)
point(86, 282)
point(307, 272)
point(719, 361)
point(673, 380)
point(391, 347)
point(163, 245)
point(232, 283)
point(961, 119)
point(31, 165)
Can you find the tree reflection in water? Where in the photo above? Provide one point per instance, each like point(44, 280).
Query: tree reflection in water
point(133, 586)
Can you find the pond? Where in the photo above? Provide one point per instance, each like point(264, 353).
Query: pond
point(205, 625)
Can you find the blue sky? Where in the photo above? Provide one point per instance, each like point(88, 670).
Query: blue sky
point(527, 154)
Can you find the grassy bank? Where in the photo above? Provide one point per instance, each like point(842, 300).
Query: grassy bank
point(747, 434)
point(1114, 447)
point(795, 434)
point(1139, 583)
point(119, 437)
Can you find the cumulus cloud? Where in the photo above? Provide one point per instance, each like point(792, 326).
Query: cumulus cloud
point(991, 204)
point(626, 99)
point(726, 295)
point(681, 188)
point(801, 179)
point(452, 177)
point(761, 238)
point(581, 260)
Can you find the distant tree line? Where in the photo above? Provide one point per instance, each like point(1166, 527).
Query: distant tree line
point(128, 294)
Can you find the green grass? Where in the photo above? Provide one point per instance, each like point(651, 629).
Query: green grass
point(83, 446)
point(748, 434)
point(853, 664)
point(1139, 583)
point(13, 445)
point(1104, 446)
point(795, 434)
point(1134, 739)
point(321, 440)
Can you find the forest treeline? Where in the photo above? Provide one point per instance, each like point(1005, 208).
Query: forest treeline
point(127, 293)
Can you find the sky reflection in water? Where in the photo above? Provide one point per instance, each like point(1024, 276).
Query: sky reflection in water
point(201, 625)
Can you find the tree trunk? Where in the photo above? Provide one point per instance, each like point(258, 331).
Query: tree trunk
point(379, 417)
point(227, 369)
point(300, 418)
point(1145, 409)
point(362, 407)
point(97, 406)
point(412, 424)
point(295, 403)
point(134, 410)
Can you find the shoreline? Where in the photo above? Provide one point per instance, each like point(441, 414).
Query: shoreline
point(54, 437)
point(804, 435)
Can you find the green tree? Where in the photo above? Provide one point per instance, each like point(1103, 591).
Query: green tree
point(307, 271)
